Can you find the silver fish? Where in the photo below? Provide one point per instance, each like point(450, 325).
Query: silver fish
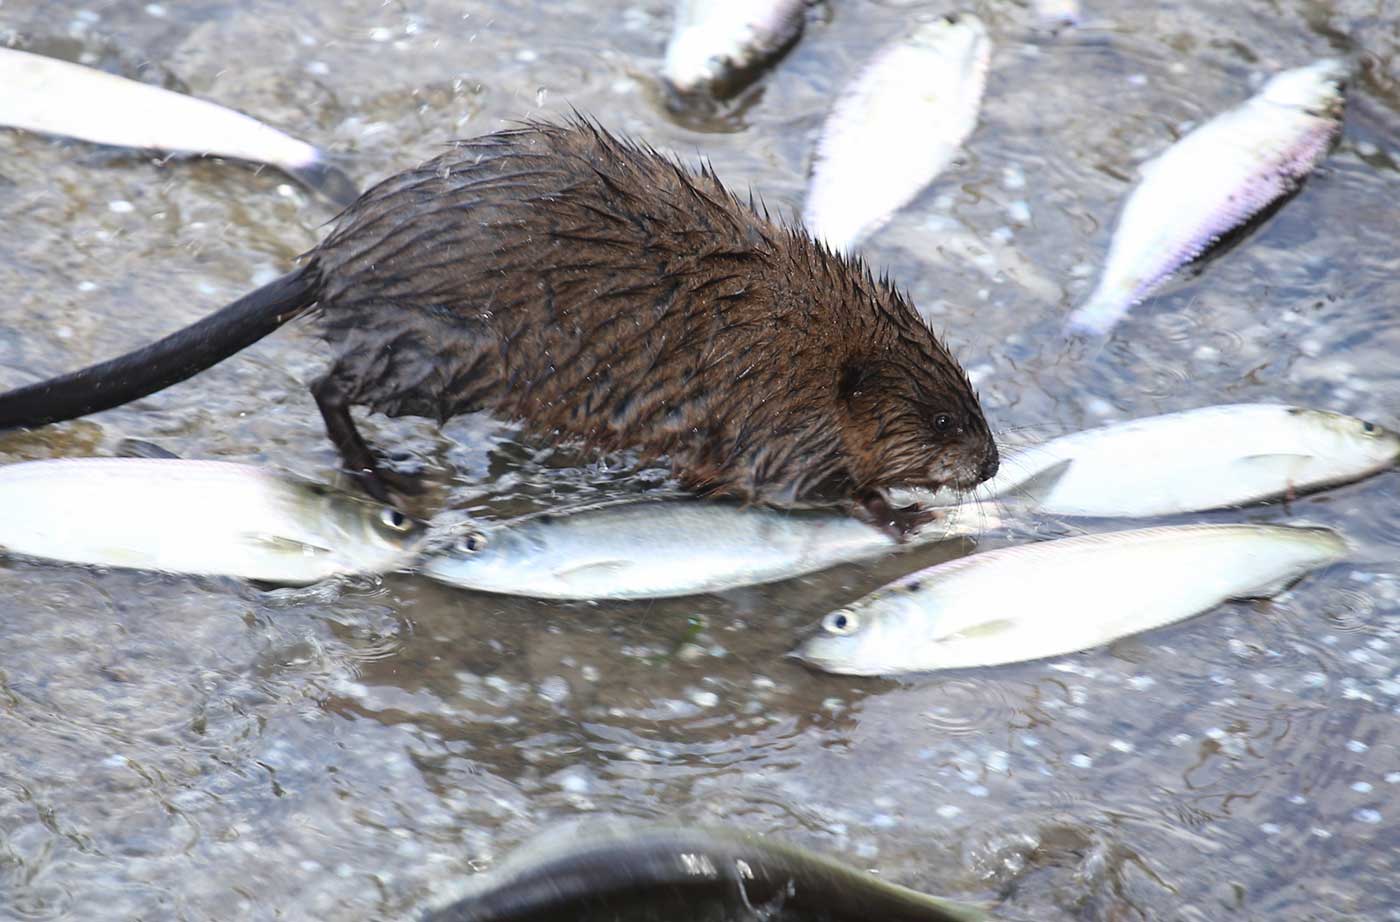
point(51, 96)
point(896, 128)
point(614, 866)
point(1056, 597)
point(1054, 15)
point(197, 517)
point(1212, 181)
point(649, 550)
point(1191, 461)
point(716, 45)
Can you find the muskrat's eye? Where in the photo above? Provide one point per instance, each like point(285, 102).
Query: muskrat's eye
point(394, 519)
point(942, 422)
point(841, 622)
point(470, 544)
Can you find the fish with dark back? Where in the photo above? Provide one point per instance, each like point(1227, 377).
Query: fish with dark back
point(647, 872)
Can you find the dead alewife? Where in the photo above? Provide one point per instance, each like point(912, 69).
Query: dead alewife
point(1213, 181)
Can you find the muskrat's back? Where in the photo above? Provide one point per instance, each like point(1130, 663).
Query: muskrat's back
point(594, 289)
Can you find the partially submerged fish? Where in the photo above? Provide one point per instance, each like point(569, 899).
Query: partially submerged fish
point(717, 46)
point(1055, 597)
point(1054, 15)
point(57, 97)
point(1213, 181)
point(1191, 461)
point(649, 550)
point(197, 517)
point(601, 869)
point(896, 128)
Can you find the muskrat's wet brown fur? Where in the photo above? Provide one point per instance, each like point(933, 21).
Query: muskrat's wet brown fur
point(596, 290)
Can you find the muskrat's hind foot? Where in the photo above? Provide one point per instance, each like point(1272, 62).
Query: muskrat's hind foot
point(359, 460)
point(897, 522)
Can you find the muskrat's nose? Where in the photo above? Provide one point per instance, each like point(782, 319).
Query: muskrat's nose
point(990, 463)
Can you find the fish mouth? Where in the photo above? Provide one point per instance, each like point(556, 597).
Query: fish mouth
point(830, 665)
point(815, 663)
point(809, 653)
point(803, 654)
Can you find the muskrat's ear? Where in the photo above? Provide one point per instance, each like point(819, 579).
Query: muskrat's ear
point(855, 377)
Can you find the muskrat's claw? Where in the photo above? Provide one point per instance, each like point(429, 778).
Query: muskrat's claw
point(897, 522)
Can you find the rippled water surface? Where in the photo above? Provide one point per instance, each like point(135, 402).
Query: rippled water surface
point(203, 749)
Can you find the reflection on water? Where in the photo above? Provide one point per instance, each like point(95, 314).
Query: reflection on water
point(181, 748)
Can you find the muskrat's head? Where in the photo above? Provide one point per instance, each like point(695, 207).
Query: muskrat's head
point(910, 418)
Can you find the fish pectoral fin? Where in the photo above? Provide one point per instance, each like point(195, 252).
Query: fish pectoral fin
point(981, 630)
point(1280, 464)
point(592, 568)
point(1041, 484)
point(268, 542)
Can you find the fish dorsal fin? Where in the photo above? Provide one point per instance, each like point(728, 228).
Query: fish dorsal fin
point(140, 448)
point(1042, 483)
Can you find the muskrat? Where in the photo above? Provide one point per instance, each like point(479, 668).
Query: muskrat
point(596, 290)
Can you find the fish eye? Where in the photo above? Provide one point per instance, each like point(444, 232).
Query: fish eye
point(471, 543)
point(394, 519)
point(841, 622)
point(1368, 427)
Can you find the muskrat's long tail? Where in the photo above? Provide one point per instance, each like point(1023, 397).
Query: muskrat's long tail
point(168, 361)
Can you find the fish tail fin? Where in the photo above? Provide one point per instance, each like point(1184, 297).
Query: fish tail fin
point(1096, 316)
point(325, 179)
point(167, 361)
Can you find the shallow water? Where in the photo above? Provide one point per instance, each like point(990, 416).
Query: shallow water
point(201, 749)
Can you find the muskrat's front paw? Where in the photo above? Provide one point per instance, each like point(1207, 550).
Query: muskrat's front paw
point(897, 522)
point(381, 484)
point(402, 483)
point(912, 518)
